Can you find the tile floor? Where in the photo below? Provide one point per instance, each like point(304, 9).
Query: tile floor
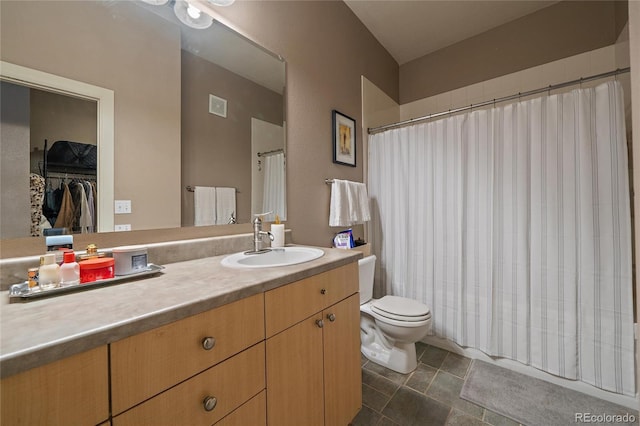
point(427, 396)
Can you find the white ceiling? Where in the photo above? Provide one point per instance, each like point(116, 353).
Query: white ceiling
point(411, 29)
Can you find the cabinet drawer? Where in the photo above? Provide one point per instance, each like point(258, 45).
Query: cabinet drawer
point(72, 391)
point(232, 382)
point(289, 304)
point(253, 412)
point(148, 363)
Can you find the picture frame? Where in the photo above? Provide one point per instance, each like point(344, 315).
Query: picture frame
point(344, 139)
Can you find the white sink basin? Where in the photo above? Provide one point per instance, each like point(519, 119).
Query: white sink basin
point(283, 256)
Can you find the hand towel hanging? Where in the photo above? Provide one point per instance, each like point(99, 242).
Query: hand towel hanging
point(225, 205)
point(349, 203)
point(204, 202)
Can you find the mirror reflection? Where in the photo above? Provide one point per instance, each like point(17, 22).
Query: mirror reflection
point(193, 109)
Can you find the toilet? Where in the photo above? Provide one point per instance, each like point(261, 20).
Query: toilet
point(390, 326)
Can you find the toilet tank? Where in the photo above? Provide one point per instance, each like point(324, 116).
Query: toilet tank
point(367, 267)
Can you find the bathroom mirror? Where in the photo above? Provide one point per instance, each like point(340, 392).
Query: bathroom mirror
point(190, 107)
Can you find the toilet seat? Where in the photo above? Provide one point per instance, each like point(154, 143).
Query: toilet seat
point(401, 309)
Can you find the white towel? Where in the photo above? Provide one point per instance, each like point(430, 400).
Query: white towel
point(225, 205)
point(349, 203)
point(204, 202)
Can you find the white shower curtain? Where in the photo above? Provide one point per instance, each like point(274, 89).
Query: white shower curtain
point(513, 225)
point(274, 195)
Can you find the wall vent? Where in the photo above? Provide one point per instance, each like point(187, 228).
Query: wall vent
point(218, 106)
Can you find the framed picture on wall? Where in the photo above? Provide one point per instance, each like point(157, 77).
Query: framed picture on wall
point(344, 139)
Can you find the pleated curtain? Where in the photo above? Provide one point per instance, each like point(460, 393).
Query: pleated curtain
point(513, 225)
point(274, 198)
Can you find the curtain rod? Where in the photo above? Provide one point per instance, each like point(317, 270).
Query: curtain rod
point(275, 151)
point(378, 129)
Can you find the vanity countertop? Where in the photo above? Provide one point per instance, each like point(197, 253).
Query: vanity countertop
point(43, 330)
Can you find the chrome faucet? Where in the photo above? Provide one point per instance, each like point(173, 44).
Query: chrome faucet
point(258, 233)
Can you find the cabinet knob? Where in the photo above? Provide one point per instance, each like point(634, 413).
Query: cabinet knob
point(210, 403)
point(323, 291)
point(320, 323)
point(208, 343)
point(332, 317)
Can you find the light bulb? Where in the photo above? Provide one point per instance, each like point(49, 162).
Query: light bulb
point(193, 12)
point(191, 15)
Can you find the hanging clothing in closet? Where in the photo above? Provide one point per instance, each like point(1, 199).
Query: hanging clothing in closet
point(77, 210)
point(36, 190)
point(65, 214)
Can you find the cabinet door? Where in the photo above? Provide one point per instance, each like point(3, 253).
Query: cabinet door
point(294, 376)
point(342, 372)
point(72, 391)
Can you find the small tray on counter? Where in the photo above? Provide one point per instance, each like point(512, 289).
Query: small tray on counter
point(20, 292)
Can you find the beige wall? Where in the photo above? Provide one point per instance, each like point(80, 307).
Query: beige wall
point(327, 49)
point(572, 68)
point(44, 36)
point(56, 117)
point(558, 31)
point(216, 151)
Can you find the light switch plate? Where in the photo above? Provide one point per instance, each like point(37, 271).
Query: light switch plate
point(122, 206)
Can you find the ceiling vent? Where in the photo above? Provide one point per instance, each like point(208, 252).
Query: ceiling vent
point(218, 106)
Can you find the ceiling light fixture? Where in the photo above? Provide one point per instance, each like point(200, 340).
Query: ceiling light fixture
point(191, 15)
point(156, 2)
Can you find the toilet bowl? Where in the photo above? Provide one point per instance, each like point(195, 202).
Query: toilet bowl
point(390, 326)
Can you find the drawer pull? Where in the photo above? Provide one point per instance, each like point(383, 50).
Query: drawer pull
point(323, 291)
point(208, 343)
point(320, 323)
point(210, 403)
point(332, 317)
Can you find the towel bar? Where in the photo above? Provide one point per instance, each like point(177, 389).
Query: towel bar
point(192, 188)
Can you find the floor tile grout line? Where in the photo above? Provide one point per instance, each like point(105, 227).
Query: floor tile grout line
point(389, 400)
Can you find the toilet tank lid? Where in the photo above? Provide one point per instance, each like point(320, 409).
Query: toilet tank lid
point(401, 306)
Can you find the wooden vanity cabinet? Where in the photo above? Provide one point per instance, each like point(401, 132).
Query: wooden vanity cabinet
point(313, 350)
point(72, 391)
point(214, 367)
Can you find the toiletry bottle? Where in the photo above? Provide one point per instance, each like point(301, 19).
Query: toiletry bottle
point(33, 279)
point(92, 252)
point(49, 272)
point(277, 230)
point(69, 270)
